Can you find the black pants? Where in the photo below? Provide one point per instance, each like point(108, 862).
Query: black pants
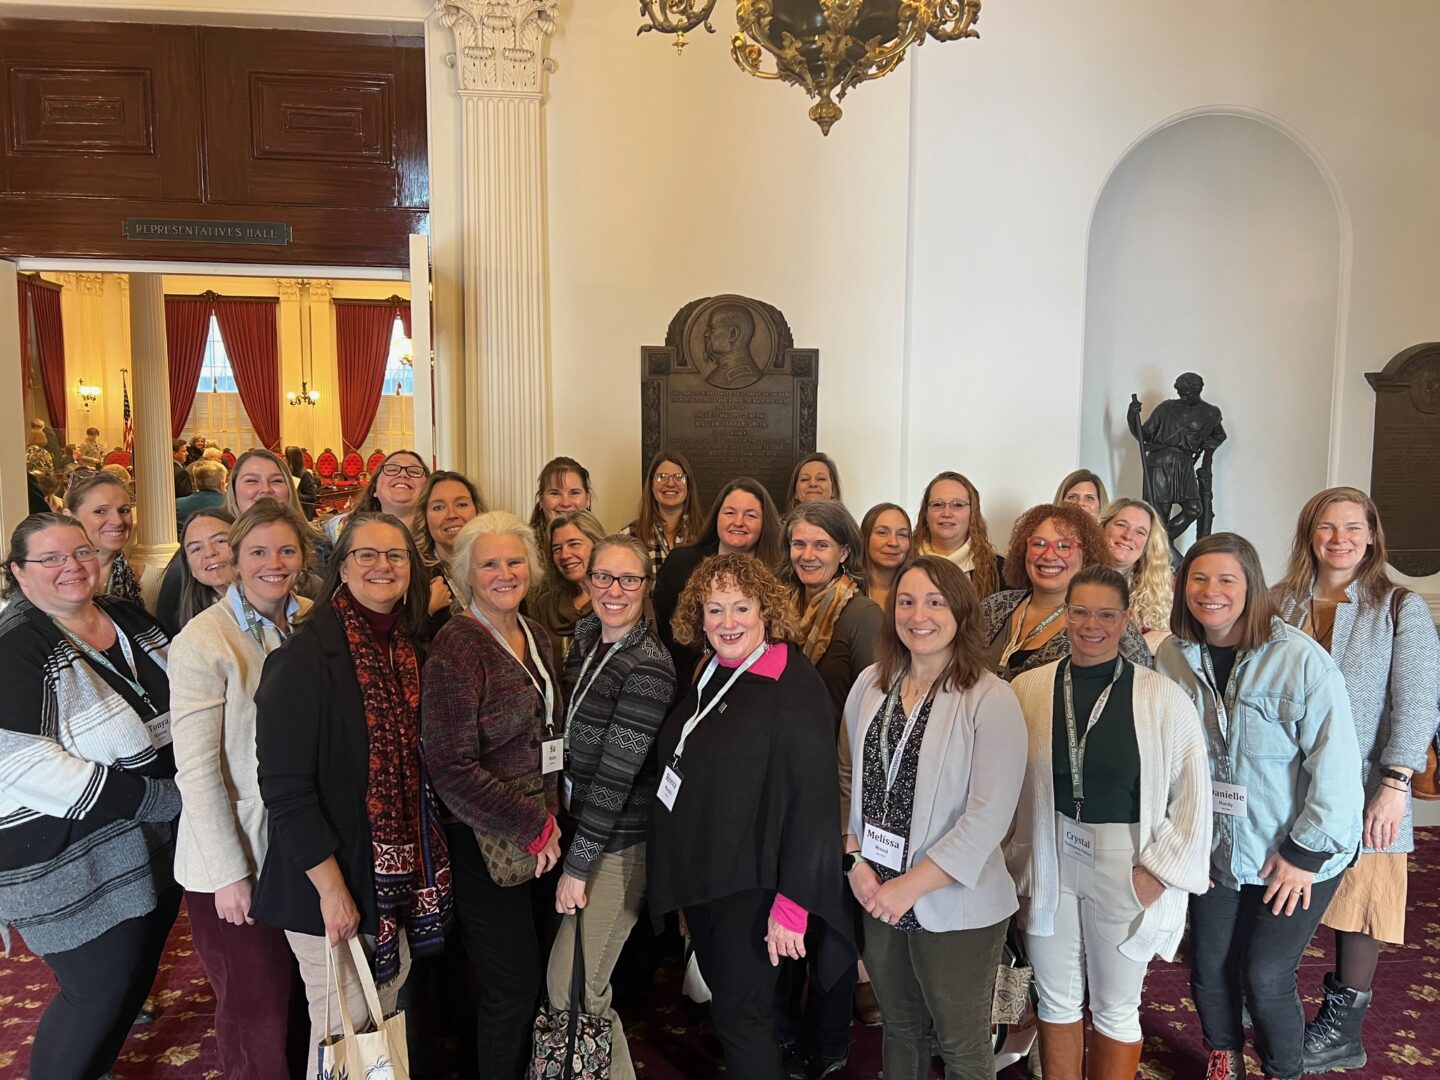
point(1238, 947)
point(820, 1019)
point(103, 985)
point(729, 939)
point(497, 926)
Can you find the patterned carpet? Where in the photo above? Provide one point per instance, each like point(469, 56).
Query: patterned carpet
point(670, 1043)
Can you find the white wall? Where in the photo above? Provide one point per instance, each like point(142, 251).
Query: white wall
point(1215, 248)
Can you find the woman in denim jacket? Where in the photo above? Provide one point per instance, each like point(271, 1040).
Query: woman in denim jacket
point(1285, 773)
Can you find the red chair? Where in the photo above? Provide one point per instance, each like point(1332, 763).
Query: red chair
point(327, 465)
point(376, 460)
point(352, 466)
point(117, 457)
point(228, 457)
point(305, 458)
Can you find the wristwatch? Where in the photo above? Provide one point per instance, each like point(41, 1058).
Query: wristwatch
point(851, 860)
point(1393, 774)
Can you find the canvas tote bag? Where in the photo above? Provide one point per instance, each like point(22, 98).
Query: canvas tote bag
point(378, 1051)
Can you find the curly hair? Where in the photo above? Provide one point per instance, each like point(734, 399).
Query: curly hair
point(747, 576)
point(1070, 522)
point(1151, 579)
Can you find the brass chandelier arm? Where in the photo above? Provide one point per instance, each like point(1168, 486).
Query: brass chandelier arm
point(676, 16)
point(748, 57)
point(955, 19)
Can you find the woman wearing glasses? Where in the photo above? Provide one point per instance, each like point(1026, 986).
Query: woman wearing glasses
point(1111, 835)
point(618, 682)
point(354, 841)
point(394, 489)
point(494, 742)
point(215, 667)
point(669, 507)
point(1025, 624)
point(102, 504)
point(951, 525)
point(88, 793)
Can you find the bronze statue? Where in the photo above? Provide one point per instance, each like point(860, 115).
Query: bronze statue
point(1181, 433)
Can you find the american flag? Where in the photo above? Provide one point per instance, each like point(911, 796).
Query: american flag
point(127, 440)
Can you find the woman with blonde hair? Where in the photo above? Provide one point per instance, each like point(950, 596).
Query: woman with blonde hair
point(1084, 489)
point(1337, 590)
point(950, 524)
point(1140, 550)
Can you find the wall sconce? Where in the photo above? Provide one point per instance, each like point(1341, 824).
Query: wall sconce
point(88, 395)
point(306, 396)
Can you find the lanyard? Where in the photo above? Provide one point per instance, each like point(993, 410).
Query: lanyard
point(1077, 743)
point(95, 656)
point(888, 762)
point(548, 692)
point(581, 686)
point(700, 713)
point(1016, 641)
point(253, 626)
point(1224, 703)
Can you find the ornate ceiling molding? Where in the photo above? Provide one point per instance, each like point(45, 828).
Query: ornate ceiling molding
point(500, 44)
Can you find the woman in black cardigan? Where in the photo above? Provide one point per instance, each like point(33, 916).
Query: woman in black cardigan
point(746, 838)
point(338, 744)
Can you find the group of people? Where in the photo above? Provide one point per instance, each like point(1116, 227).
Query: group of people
point(855, 760)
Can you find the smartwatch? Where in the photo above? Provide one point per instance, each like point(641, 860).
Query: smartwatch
point(1392, 774)
point(851, 860)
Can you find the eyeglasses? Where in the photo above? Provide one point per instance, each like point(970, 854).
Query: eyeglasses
point(629, 582)
point(954, 504)
point(671, 478)
point(416, 471)
point(1064, 548)
point(370, 556)
point(1109, 618)
point(57, 559)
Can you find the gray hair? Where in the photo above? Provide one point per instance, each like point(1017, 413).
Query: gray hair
point(493, 523)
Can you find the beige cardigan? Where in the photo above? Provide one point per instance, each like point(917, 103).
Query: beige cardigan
point(214, 671)
point(1175, 815)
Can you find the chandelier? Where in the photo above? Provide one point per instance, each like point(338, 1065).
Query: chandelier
point(825, 47)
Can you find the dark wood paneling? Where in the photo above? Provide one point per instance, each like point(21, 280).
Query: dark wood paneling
point(91, 228)
point(101, 110)
point(314, 119)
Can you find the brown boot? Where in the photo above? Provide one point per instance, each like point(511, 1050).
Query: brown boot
point(1062, 1050)
point(1111, 1060)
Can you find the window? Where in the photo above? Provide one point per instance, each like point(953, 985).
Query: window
point(399, 375)
point(217, 413)
point(394, 426)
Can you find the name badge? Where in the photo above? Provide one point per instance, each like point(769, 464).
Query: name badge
point(883, 847)
point(669, 787)
point(552, 756)
point(159, 729)
point(1077, 841)
point(1229, 799)
point(567, 790)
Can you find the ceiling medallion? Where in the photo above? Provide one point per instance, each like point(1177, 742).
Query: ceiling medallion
point(825, 47)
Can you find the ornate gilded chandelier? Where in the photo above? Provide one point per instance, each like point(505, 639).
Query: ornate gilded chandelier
point(825, 47)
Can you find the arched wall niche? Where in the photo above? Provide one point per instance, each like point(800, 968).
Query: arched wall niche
point(1220, 244)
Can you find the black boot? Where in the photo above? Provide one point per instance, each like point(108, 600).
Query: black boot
point(1332, 1039)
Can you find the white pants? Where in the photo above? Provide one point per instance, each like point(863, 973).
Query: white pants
point(1098, 912)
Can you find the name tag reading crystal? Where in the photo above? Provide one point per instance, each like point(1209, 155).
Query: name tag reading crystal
point(1077, 841)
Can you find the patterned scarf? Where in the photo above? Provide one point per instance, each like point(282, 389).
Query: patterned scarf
point(412, 861)
point(122, 581)
point(817, 625)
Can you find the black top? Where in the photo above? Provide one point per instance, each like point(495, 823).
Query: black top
point(313, 749)
point(1223, 657)
point(756, 805)
point(1112, 753)
point(669, 584)
point(894, 815)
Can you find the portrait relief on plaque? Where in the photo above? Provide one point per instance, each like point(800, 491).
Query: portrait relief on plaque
point(1404, 481)
point(729, 390)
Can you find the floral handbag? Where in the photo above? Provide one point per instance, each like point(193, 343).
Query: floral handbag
point(570, 1044)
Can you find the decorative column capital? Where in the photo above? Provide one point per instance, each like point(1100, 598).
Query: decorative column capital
point(321, 290)
point(288, 288)
point(90, 284)
point(500, 44)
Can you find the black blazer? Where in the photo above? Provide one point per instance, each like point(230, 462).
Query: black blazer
point(314, 755)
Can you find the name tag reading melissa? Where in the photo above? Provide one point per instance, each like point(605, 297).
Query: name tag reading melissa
point(552, 756)
point(1229, 799)
point(1077, 841)
point(883, 847)
point(159, 729)
point(669, 787)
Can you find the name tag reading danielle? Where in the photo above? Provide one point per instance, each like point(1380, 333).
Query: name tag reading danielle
point(1229, 799)
point(882, 846)
point(552, 755)
point(1077, 841)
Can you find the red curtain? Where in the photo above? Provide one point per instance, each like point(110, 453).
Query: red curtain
point(187, 325)
point(404, 309)
point(252, 342)
point(362, 345)
point(50, 343)
point(24, 291)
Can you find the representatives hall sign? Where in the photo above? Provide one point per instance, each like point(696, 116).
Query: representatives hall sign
point(182, 230)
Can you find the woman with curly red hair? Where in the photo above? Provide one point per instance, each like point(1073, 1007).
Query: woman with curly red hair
point(746, 836)
point(1025, 624)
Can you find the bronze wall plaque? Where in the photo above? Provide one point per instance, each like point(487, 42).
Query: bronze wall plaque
point(729, 390)
point(1404, 475)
